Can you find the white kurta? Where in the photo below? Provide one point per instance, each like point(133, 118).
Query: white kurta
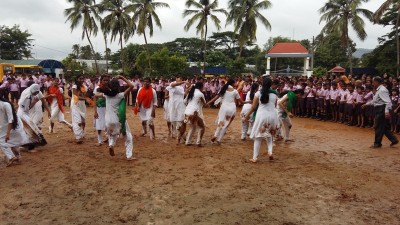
point(176, 105)
point(78, 111)
point(166, 110)
point(36, 112)
point(195, 104)
point(145, 114)
point(17, 136)
point(246, 107)
point(23, 113)
point(228, 106)
point(56, 114)
point(266, 118)
point(100, 122)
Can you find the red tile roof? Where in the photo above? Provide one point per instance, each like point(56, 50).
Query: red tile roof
point(337, 69)
point(288, 47)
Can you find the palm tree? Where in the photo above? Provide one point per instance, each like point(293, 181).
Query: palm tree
point(244, 15)
point(118, 21)
point(76, 50)
point(85, 12)
point(143, 16)
point(203, 10)
point(339, 14)
point(388, 4)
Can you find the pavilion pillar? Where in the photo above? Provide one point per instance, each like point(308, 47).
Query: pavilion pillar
point(306, 65)
point(268, 72)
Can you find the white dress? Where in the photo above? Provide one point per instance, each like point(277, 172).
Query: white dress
point(246, 107)
point(24, 113)
point(166, 110)
point(266, 118)
point(145, 114)
point(36, 112)
point(18, 136)
point(100, 122)
point(78, 111)
point(228, 106)
point(56, 114)
point(113, 125)
point(176, 105)
point(195, 104)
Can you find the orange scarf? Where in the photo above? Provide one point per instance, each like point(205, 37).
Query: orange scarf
point(145, 97)
point(60, 100)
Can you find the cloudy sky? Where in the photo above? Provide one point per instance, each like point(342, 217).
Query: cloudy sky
point(44, 19)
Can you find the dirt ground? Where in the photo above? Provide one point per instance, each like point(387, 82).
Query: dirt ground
point(327, 176)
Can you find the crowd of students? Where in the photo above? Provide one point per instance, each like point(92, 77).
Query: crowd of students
point(267, 103)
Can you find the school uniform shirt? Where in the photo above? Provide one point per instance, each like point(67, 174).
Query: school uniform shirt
point(14, 87)
point(343, 95)
point(360, 98)
point(326, 92)
point(320, 93)
point(369, 97)
point(334, 94)
point(309, 92)
point(351, 97)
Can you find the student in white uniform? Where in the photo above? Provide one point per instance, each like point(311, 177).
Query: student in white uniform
point(12, 134)
point(56, 100)
point(166, 113)
point(100, 109)
point(29, 98)
point(146, 101)
point(229, 98)
point(193, 113)
point(116, 123)
point(266, 121)
point(78, 108)
point(176, 107)
point(247, 125)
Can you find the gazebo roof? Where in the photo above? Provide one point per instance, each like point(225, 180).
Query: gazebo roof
point(337, 69)
point(288, 49)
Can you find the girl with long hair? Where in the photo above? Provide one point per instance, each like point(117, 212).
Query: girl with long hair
point(193, 113)
point(115, 116)
point(12, 134)
point(229, 98)
point(78, 108)
point(176, 107)
point(266, 121)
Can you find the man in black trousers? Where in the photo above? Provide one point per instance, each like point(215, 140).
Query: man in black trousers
point(382, 104)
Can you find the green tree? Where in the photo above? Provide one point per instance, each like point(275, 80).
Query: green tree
point(227, 42)
point(84, 11)
point(236, 67)
point(130, 55)
point(117, 21)
point(188, 47)
point(203, 10)
point(144, 13)
point(386, 7)
point(76, 50)
point(339, 16)
point(217, 58)
point(244, 15)
point(14, 43)
point(86, 52)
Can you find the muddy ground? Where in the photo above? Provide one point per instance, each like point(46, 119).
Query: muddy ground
point(327, 176)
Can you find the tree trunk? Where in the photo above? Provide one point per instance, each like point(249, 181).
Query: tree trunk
point(349, 54)
point(240, 51)
point(205, 49)
point(147, 50)
point(397, 41)
point(94, 54)
point(106, 53)
point(120, 56)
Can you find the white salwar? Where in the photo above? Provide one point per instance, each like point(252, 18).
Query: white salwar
point(194, 107)
point(78, 111)
point(145, 114)
point(226, 112)
point(113, 125)
point(18, 136)
point(266, 121)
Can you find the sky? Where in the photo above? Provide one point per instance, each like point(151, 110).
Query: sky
point(53, 39)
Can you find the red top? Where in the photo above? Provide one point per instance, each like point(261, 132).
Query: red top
point(288, 47)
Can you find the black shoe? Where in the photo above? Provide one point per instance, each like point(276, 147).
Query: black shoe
point(376, 146)
point(394, 143)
